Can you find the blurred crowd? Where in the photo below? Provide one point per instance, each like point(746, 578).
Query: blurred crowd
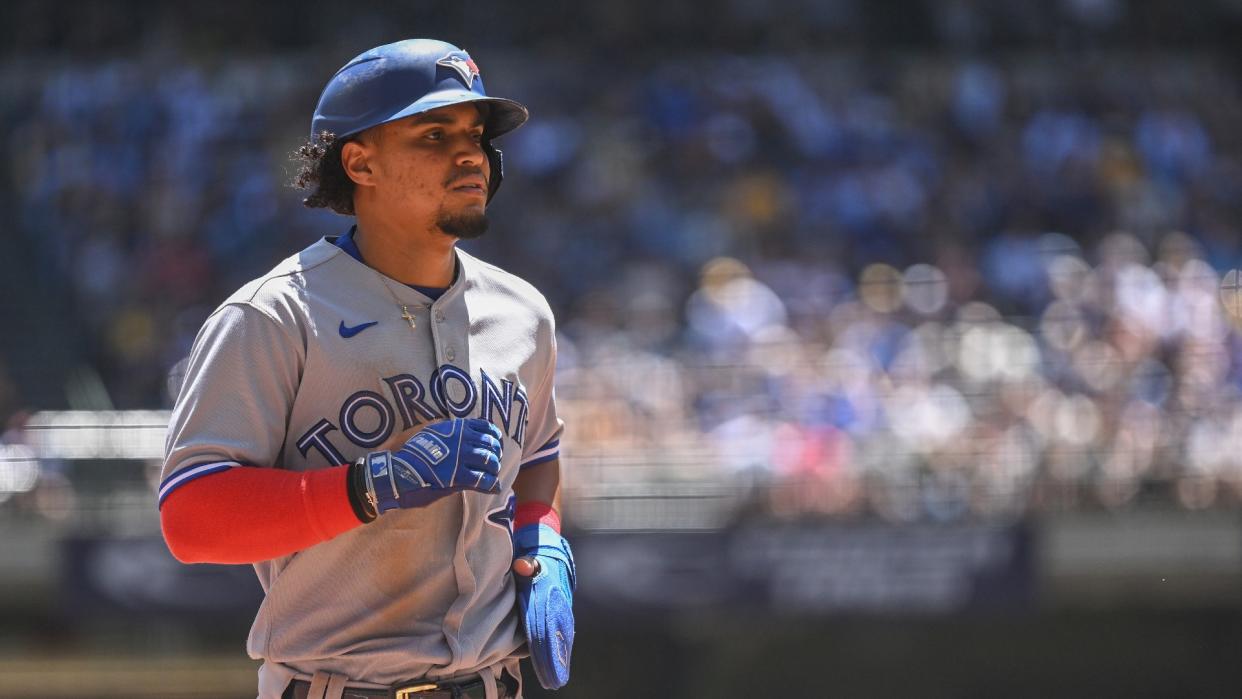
point(915, 286)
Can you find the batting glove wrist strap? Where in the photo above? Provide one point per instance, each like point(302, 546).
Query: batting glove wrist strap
point(546, 602)
point(360, 497)
point(442, 458)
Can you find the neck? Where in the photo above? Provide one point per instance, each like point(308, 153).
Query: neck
point(419, 257)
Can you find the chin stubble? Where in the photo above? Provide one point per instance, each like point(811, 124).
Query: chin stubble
point(464, 225)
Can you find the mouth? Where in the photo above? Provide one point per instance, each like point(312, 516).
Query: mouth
point(470, 185)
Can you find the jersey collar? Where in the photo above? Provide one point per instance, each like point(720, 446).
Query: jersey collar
point(347, 243)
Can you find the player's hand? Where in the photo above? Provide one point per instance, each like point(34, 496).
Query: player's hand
point(398, 439)
point(546, 579)
point(441, 458)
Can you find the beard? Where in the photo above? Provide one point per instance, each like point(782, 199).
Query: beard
point(464, 225)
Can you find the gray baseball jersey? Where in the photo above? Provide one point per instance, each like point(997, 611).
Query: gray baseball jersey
point(319, 362)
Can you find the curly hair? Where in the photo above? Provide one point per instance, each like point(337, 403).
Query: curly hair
point(322, 172)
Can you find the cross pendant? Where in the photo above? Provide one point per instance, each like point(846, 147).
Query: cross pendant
point(405, 313)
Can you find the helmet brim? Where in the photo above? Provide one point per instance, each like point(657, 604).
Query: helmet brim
point(504, 115)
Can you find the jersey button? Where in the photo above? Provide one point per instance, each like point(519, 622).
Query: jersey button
point(449, 353)
point(439, 316)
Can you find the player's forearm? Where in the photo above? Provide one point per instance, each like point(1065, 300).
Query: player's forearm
point(540, 483)
point(245, 515)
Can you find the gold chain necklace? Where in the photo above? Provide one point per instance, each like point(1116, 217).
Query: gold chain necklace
point(405, 308)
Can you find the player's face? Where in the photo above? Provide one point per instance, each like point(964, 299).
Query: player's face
point(431, 168)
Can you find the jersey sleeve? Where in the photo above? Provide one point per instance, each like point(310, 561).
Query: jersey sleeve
point(234, 405)
point(544, 426)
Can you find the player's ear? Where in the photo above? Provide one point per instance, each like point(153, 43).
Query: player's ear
point(356, 160)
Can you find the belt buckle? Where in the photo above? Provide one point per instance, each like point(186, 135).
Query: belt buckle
point(410, 691)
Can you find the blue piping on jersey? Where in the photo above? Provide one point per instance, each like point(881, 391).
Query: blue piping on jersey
point(540, 460)
point(190, 473)
point(543, 454)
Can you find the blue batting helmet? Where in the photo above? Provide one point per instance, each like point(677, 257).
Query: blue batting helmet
point(410, 77)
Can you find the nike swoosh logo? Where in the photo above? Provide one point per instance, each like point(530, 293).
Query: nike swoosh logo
point(347, 331)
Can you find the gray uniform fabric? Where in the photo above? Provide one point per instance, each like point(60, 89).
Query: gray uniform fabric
point(281, 376)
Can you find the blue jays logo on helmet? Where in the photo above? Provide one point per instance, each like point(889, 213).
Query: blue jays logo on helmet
point(461, 62)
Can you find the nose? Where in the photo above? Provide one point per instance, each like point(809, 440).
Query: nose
point(470, 154)
point(473, 158)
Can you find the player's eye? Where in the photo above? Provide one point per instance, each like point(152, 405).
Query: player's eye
point(478, 137)
point(436, 135)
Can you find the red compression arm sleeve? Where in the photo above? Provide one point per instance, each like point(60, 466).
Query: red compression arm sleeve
point(244, 515)
point(535, 512)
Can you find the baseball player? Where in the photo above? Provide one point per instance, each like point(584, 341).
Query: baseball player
point(372, 424)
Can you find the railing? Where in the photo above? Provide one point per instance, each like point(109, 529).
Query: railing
point(98, 471)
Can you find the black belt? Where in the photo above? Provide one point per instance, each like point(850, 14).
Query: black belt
point(506, 686)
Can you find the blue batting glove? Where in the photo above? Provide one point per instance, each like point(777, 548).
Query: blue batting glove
point(442, 458)
point(546, 601)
